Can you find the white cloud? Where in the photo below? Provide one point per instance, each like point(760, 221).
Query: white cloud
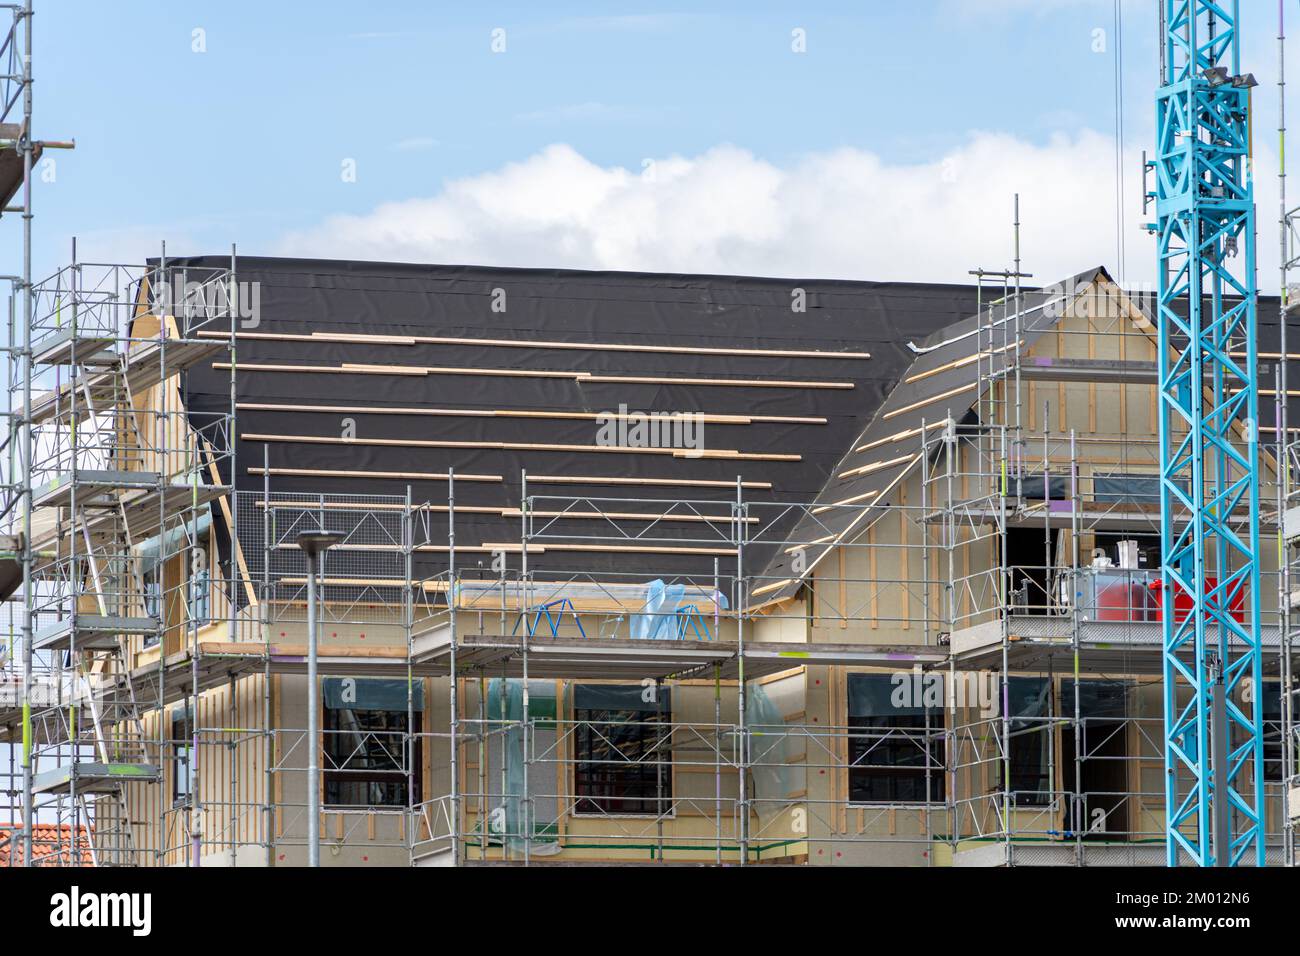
point(839, 214)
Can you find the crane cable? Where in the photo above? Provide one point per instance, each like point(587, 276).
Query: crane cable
point(1119, 141)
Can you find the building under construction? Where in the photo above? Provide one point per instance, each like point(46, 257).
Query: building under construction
point(393, 564)
point(636, 568)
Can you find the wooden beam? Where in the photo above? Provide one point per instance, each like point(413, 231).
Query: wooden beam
point(514, 547)
point(1267, 355)
point(824, 539)
point(351, 368)
point(874, 467)
point(958, 363)
point(747, 382)
point(412, 370)
point(614, 548)
point(659, 482)
point(774, 586)
point(923, 402)
point(238, 550)
point(456, 370)
point(433, 586)
point(709, 418)
point(371, 339)
point(505, 512)
point(623, 516)
point(383, 475)
point(899, 436)
point(514, 446)
point(865, 496)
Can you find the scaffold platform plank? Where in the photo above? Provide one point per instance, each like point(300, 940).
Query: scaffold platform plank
point(49, 694)
point(91, 631)
point(1049, 368)
point(217, 663)
point(75, 347)
point(769, 657)
point(146, 363)
point(1046, 643)
point(91, 777)
point(559, 657)
point(623, 658)
point(1139, 518)
point(92, 487)
point(145, 510)
point(151, 359)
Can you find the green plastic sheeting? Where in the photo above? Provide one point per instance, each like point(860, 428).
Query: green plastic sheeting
point(769, 748)
point(505, 702)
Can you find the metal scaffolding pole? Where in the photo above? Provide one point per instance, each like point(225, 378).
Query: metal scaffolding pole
point(525, 727)
point(1281, 421)
point(454, 700)
point(742, 603)
point(25, 147)
point(412, 738)
point(314, 544)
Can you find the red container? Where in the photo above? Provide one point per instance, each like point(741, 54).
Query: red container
point(1183, 601)
point(1124, 600)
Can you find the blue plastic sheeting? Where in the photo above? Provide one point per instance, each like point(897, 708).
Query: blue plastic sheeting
point(174, 541)
point(657, 620)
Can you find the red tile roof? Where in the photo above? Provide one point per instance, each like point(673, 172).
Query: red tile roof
point(50, 845)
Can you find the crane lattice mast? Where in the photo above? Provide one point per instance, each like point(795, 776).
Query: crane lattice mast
point(1209, 453)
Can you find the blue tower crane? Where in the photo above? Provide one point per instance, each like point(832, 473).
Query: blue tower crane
point(1209, 455)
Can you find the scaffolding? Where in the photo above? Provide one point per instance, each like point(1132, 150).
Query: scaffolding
point(170, 725)
point(733, 714)
point(726, 774)
point(1085, 618)
point(499, 775)
point(121, 477)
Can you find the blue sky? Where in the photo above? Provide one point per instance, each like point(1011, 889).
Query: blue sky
point(246, 141)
